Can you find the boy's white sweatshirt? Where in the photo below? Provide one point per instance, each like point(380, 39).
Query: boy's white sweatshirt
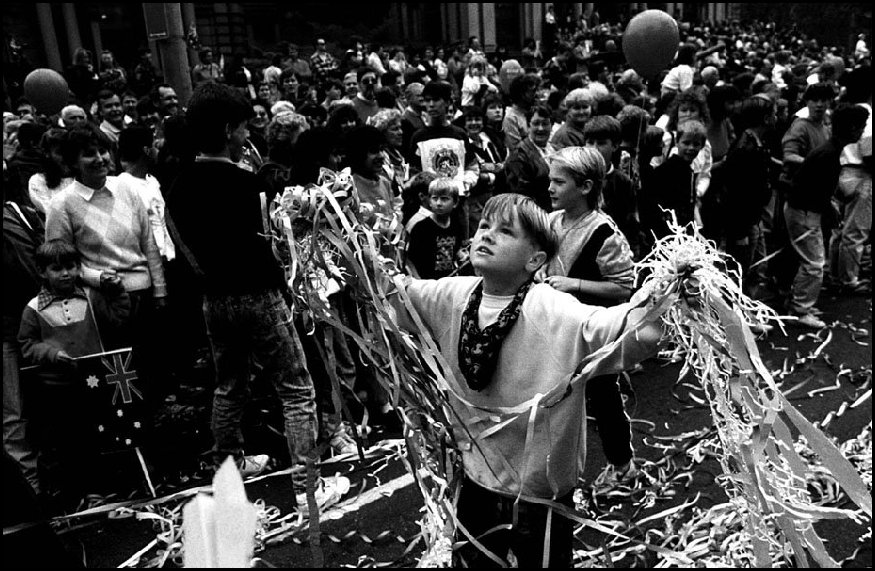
point(552, 335)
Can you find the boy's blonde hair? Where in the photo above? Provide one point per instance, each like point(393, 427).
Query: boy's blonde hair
point(580, 95)
point(444, 185)
point(533, 219)
point(582, 164)
point(692, 127)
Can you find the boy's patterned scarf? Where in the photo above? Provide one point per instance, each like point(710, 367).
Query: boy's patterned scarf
point(479, 349)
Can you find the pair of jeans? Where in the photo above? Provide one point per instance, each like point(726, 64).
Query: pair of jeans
point(16, 437)
point(480, 510)
point(806, 238)
point(857, 223)
point(257, 326)
point(745, 248)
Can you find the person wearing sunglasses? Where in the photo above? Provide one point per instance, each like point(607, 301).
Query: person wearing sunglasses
point(365, 102)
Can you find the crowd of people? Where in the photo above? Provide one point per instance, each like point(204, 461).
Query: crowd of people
point(131, 220)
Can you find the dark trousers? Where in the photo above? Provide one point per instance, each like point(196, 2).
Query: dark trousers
point(605, 403)
point(480, 510)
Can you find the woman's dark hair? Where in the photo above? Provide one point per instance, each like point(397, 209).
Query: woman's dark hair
point(312, 110)
point(81, 138)
point(520, 84)
point(361, 141)
point(212, 109)
point(846, 118)
point(56, 252)
point(131, 142)
point(491, 99)
point(340, 115)
point(718, 97)
point(53, 139)
point(473, 111)
point(313, 151)
point(385, 98)
point(754, 112)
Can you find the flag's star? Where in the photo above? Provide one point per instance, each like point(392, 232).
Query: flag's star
point(120, 413)
point(100, 428)
point(92, 381)
point(138, 425)
point(127, 441)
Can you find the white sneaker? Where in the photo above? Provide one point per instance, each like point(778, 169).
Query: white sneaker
point(251, 466)
point(328, 493)
point(342, 443)
point(812, 321)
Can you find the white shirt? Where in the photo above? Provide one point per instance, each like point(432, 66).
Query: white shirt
point(40, 193)
point(490, 308)
point(149, 191)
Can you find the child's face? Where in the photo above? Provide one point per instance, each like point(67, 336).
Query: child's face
point(605, 147)
point(501, 248)
point(61, 278)
point(435, 107)
point(689, 145)
point(441, 203)
point(474, 125)
point(564, 191)
point(579, 113)
point(687, 113)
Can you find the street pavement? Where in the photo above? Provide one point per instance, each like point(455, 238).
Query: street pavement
point(376, 523)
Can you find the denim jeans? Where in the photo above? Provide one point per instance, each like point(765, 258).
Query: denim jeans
point(16, 441)
point(258, 326)
point(856, 225)
point(811, 255)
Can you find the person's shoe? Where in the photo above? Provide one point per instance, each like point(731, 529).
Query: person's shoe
point(860, 287)
point(342, 443)
point(251, 466)
point(811, 321)
point(614, 476)
point(328, 492)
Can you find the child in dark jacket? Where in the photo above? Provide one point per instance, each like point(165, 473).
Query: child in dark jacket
point(63, 322)
point(675, 180)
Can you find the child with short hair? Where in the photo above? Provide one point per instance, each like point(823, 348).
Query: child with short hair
point(508, 341)
point(579, 104)
point(416, 199)
point(435, 240)
point(603, 133)
point(675, 181)
point(63, 322)
point(594, 264)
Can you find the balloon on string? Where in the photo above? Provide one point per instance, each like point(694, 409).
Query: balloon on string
point(650, 42)
point(47, 90)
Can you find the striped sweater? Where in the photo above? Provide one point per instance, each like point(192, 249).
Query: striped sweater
point(110, 227)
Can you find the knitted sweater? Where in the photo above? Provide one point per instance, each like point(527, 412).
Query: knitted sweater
point(111, 229)
point(553, 334)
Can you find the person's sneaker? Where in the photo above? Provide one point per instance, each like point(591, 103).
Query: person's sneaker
point(811, 320)
point(251, 466)
point(328, 493)
point(614, 476)
point(342, 442)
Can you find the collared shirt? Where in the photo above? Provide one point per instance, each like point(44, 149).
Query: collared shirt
point(88, 193)
point(110, 130)
point(45, 297)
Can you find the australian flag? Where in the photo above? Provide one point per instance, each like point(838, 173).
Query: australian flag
point(115, 408)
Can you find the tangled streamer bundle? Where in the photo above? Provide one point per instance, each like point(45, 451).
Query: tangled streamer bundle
point(764, 475)
point(334, 243)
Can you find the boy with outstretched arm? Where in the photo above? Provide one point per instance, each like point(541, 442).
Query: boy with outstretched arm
point(513, 346)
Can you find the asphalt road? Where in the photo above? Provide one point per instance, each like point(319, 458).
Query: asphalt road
point(379, 518)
